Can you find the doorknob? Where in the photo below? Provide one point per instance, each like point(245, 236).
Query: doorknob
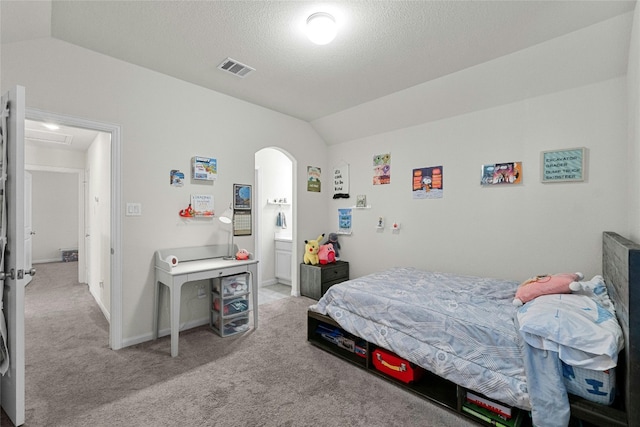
point(31, 272)
point(11, 274)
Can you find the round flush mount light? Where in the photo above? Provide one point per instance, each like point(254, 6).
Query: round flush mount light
point(321, 28)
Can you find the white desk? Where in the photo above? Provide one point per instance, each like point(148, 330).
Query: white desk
point(189, 271)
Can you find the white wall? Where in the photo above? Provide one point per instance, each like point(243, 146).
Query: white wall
point(633, 94)
point(507, 231)
point(55, 214)
point(164, 123)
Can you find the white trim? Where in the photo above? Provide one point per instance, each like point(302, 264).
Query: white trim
point(45, 261)
point(115, 325)
point(100, 304)
point(165, 332)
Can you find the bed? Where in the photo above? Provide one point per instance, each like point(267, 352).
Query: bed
point(473, 339)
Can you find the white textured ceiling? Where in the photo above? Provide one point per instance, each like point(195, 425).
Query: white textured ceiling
point(382, 47)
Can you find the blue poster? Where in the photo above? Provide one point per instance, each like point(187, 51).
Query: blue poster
point(344, 221)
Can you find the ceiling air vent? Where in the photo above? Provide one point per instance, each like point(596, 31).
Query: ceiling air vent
point(234, 67)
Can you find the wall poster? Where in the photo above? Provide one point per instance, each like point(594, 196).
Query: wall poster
point(344, 221)
point(241, 197)
point(341, 181)
point(202, 204)
point(501, 173)
point(313, 179)
point(428, 183)
point(563, 165)
point(382, 169)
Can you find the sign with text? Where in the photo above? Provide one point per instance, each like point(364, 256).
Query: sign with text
point(341, 179)
point(563, 165)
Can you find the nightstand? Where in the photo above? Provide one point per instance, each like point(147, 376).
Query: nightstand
point(316, 279)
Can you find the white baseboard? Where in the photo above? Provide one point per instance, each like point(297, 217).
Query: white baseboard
point(268, 282)
point(163, 332)
point(104, 310)
point(45, 261)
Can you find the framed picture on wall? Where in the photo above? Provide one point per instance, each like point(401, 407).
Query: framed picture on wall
point(241, 197)
point(563, 165)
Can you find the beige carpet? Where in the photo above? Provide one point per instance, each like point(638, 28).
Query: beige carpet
point(268, 377)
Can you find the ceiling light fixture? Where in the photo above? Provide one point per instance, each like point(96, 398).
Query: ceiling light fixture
point(321, 28)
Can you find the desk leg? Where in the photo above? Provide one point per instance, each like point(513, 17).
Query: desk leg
point(156, 309)
point(175, 318)
point(253, 270)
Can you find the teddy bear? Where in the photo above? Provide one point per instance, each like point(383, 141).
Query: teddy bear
point(326, 254)
point(311, 248)
point(545, 285)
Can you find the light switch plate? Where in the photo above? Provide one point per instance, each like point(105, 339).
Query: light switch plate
point(134, 209)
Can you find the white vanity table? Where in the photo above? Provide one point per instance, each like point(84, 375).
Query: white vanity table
point(196, 263)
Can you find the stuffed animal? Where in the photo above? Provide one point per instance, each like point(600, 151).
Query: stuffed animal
point(594, 289)
point(311, 248)
point(326, 254)
point(545, 285)
point(333, 239)
point(242, 254)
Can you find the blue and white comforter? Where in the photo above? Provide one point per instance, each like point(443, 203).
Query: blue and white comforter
point(466, 330)
point(458, 327)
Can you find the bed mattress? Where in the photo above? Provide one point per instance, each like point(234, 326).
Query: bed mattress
point(458, 327)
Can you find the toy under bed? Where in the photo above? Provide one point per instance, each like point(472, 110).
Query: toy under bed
point(466, 330)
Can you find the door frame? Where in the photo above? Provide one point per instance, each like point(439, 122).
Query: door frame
point(115, 315)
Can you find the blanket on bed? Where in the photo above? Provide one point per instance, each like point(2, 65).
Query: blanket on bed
point(466, 330)
point(458, 327)
point(581, 328)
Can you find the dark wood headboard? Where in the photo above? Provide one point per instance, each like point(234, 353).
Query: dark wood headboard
point(621, 271)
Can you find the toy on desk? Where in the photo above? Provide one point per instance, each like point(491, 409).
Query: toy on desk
point(242, 254)
point(311, 248)
point(187, 213)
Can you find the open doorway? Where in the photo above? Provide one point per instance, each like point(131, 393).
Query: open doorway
point(71, 201)
point(97, 162)
point(275, 221)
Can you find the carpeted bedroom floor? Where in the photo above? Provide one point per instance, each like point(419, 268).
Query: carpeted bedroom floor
point(268, 377)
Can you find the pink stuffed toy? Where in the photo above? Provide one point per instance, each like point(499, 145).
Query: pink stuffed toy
point(327, 254)
point(545, 285)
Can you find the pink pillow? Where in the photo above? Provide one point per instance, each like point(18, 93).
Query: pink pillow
point(545, 285)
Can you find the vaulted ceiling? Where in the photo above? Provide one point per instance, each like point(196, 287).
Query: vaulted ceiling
point(382, 47)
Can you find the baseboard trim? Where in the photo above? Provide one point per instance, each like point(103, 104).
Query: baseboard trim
point(45, 261)
point(268, 282)
point(127, 342)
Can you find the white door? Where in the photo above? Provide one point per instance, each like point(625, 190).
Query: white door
point(28, 229)
point(14, 268)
